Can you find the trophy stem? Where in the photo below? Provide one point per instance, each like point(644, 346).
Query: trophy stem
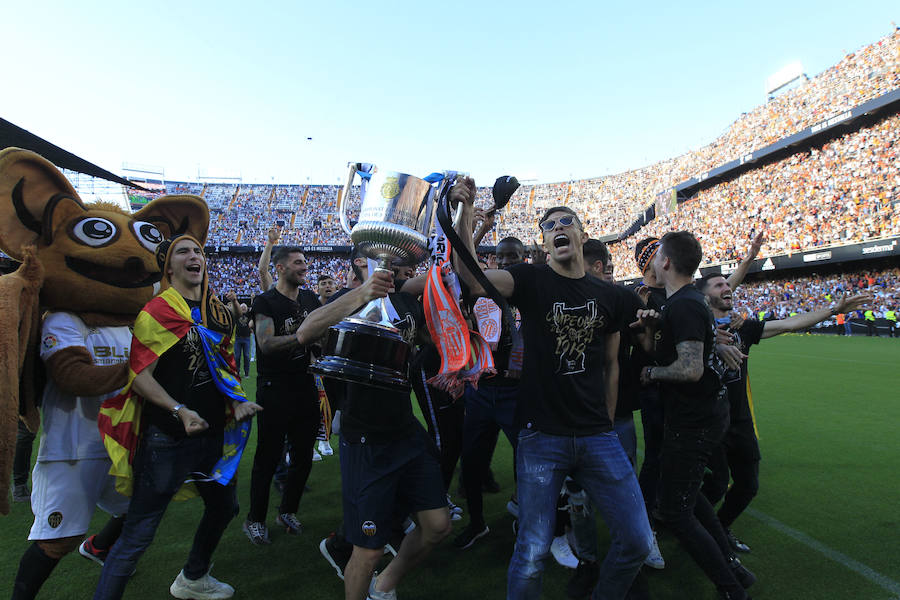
point(376, 312)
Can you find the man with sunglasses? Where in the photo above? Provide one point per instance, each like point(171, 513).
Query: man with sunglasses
point(570, 327)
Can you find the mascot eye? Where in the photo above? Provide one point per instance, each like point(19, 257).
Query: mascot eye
point(95, 231)
point(147, 234)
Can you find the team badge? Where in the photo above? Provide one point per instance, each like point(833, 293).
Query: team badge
point(49, 341)
point(55, 519)
point(369, 528)
point(390, 188)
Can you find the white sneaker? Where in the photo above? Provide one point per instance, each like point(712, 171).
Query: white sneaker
point(376, 595)
point(655, 559)
point(562, 552)
point(325, 448)
point(316, 456)
point(205, 588)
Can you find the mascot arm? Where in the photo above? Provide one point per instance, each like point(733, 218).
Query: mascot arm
point(74, 372)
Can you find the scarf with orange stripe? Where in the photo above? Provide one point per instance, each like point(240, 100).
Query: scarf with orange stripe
point(162, 323)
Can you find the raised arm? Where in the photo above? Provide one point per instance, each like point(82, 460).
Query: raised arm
point(463, 194)
point(265, 277)
point(736, 278)
point(807, 320)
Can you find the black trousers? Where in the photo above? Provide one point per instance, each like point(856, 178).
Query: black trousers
point(685, 510)
point(736, 459)
point(653, 420)
point(287, 411)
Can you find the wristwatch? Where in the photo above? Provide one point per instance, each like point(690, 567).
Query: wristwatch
point(175, 410)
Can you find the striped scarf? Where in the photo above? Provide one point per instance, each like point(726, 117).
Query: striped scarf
point(164, 321)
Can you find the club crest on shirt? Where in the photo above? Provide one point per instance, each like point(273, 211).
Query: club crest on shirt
point(369, 528)
point(55, 519)
point(49, 342)
point(574, 330)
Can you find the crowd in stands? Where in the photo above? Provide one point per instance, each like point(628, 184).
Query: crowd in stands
point(846, 191)
point(239, 272)
point(780, 298)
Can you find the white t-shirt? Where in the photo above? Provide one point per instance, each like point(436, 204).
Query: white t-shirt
point(69, 423)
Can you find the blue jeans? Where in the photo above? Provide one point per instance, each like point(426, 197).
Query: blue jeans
point(161, 465)
point(599, 464)
point(581, 513)
point(242, 348)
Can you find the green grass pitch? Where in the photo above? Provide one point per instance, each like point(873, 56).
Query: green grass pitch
point(824, 526)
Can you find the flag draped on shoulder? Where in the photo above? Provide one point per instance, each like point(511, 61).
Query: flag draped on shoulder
point(164, 321)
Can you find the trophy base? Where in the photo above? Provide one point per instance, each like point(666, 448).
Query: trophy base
point(365, 353)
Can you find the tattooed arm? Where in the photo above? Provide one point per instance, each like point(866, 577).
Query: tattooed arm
point(687, 368)
point(269, 343)
point(611, 373)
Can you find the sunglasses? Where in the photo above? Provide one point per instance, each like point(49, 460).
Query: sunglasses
point(565, 221)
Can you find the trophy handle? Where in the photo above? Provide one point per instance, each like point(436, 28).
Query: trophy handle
point(342, 201)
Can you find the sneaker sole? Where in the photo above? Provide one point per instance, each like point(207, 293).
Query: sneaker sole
point(324, 550)
point(183, 594)
point(88, 555)
point(659, 566)
point(480, 535)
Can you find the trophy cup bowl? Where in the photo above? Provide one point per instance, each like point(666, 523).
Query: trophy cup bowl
point(394, 224)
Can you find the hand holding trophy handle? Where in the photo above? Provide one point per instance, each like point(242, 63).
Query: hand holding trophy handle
point(344, 198)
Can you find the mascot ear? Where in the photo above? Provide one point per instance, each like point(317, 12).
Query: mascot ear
point(30, 189)
point(177, 214)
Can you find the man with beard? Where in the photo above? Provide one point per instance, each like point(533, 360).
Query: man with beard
point(737, 457)
point(570, 328)
point(491, 405)
point(288, 393)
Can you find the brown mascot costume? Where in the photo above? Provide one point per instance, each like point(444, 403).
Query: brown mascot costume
point(87, 270)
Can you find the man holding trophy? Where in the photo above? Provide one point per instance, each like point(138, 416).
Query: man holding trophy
point(389, 464)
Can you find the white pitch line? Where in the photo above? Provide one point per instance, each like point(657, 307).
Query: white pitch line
point(838, 557)
point(854, 565)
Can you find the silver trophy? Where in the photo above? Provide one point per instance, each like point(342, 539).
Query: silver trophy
point(394, 226)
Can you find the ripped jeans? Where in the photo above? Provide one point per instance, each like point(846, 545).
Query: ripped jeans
point(599, 464)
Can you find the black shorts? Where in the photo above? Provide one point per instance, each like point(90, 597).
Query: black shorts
point(380, 480)
point(740, 442)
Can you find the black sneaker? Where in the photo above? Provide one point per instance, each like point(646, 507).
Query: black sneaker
point(470, 535)
point(736, 544)
point(583, 582)
point(744, 575)
point(335, 555)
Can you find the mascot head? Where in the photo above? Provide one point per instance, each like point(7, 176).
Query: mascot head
point(96, 258)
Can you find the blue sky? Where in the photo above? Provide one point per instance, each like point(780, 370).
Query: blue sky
point(538, 90)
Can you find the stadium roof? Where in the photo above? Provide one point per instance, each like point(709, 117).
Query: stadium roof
point(13, 135)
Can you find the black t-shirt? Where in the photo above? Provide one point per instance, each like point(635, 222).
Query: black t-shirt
point(687, 317)
point(286, 315)
point(565, 323)
point(375, 414)
point(242, 325)
point(749, 333)
point(183, 372)
point(629, 379)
